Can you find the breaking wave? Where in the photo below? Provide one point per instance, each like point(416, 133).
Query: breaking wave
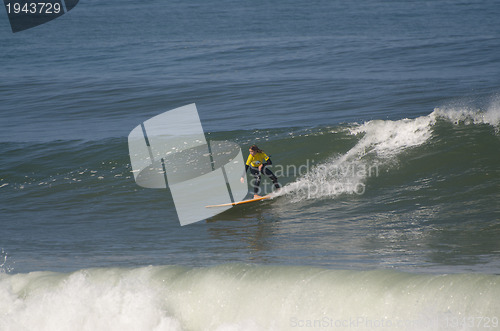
point(243, 297)
point(380, 145)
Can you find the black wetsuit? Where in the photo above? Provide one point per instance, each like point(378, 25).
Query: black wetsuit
point(257, 175)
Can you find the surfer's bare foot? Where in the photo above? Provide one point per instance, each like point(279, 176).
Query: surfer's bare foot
point(256, 196)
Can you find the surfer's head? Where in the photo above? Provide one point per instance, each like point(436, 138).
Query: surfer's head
point(254, 149)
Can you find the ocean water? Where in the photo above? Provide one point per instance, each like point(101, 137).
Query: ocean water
point(382, 119)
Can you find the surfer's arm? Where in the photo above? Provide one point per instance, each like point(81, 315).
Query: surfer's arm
point(265, 163)
point(244, 173)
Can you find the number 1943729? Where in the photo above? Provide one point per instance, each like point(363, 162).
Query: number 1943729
point(472, 322)
point(33, 8)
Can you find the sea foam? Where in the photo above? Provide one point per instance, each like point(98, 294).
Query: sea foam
point(244, 297)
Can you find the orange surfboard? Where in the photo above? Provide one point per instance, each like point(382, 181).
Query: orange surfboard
point(240, 202)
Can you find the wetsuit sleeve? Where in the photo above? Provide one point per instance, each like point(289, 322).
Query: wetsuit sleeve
point(249, 160)
point(267, 160)
point(247, 165)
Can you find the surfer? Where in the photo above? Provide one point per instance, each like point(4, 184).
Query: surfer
point(257, 162)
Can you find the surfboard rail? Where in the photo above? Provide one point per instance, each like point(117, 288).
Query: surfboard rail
point(240, 202)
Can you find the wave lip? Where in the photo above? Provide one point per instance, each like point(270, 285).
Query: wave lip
point(380, 145)
point(470, 116)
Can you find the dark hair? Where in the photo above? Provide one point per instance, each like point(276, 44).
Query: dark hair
point(256, 149)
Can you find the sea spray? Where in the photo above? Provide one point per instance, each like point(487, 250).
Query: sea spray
point(468, 115)
point(380, 143)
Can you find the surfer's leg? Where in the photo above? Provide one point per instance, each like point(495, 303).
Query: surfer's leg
point(270, 174)
point(256, 180)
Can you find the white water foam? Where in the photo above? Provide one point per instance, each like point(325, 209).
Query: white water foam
point(5, 264)
point(86, 300)
point(469, 115)
point(242, 297)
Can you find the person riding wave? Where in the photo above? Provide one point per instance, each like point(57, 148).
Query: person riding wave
point(257, 162)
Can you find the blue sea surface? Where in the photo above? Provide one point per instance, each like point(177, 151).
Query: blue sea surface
point(408, 89)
